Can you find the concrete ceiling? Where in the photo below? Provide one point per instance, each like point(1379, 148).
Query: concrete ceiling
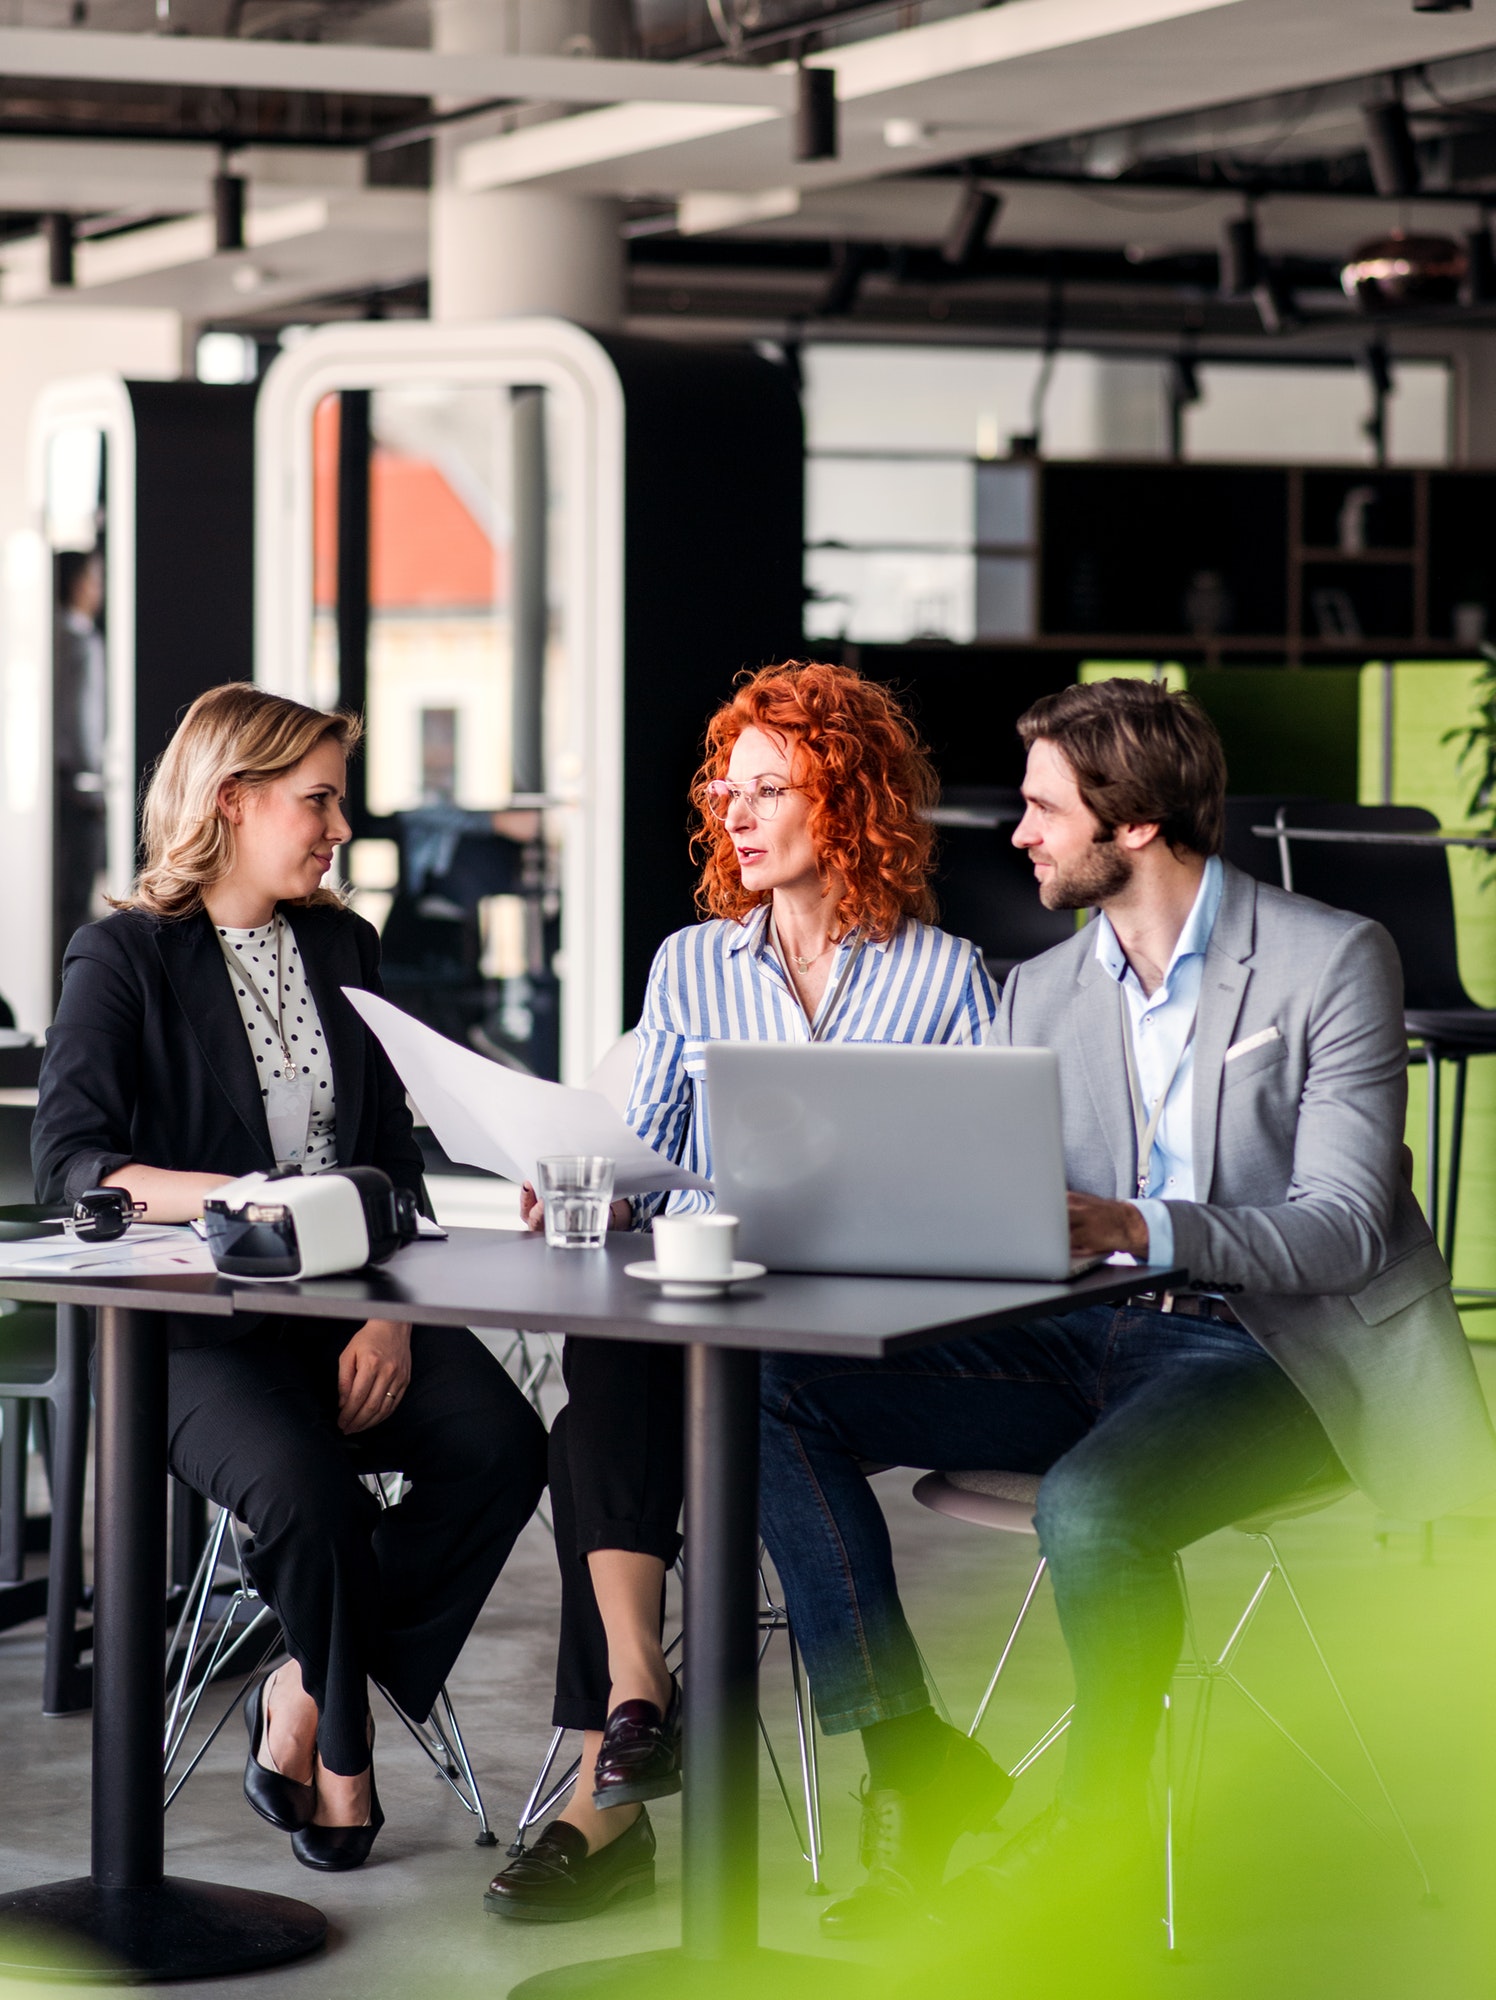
point(993, 80)
point(717, 140)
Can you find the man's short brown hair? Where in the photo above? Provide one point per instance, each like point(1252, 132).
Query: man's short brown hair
point(1140, 752)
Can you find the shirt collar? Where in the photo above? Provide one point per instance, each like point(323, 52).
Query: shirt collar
point(752, 933)
point(1193, 939)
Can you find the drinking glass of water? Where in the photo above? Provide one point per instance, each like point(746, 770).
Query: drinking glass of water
point(577, 1189)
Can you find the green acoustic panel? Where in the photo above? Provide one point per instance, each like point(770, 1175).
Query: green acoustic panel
point(1168, 671)
point(1286, 729)
point(1406, 760)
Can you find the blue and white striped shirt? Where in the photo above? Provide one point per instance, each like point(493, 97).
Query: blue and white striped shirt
point(722, 981)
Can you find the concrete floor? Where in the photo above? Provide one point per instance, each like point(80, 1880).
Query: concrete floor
point(1283, 1887)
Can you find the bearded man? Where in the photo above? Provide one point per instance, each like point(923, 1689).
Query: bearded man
point(1233, 1078)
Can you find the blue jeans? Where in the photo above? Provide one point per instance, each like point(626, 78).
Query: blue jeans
point(1150, 1430)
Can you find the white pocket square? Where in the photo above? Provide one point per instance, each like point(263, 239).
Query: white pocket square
point(1256, 1041)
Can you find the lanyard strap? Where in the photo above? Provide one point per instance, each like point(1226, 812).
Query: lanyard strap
point(1145, 1125)
point(277, 1020)
point(830, 1000)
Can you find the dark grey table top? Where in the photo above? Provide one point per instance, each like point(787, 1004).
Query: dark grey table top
point(507, 1278)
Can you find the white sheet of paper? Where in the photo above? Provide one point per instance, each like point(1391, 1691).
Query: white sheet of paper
point(488, 1116)
point(147, 1249)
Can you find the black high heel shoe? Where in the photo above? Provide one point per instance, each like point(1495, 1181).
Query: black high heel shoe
point(332, 1849)
point(285, 1803)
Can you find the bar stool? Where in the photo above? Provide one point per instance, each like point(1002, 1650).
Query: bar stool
point(1404, 885)
point(1005, 1501)
point(44, 1389)
point(226, 1627)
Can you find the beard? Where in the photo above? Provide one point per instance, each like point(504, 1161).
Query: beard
point(1105, 872)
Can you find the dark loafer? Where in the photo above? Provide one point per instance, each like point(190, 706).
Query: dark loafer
point(558, 1880)
point(332, 1849)
point(640, 1754)
point(906, 1840)
point(282, 1801)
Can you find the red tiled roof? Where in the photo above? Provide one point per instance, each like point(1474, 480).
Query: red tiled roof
point(426, 551)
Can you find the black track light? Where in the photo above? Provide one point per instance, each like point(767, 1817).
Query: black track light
point(1240, 257)
point(57, 232)
point(1441, 6)
point(815, 115)
point(970, 226)
point(1273, 297)
point(1390, 151)
point(852, 263)
point(1184, 381)
point(228, 211)
point(1479, 286)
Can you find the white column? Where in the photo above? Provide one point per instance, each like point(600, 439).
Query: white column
point(525, 250)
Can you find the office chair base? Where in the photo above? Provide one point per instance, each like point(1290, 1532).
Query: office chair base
point(174, 1929)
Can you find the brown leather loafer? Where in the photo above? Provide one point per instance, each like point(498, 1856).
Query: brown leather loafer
point(558, 1880)
point(640, 1754)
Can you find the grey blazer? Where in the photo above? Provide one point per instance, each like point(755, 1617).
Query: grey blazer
point(1302, 1213)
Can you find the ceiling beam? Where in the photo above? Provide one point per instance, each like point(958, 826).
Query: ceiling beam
point(207, 62)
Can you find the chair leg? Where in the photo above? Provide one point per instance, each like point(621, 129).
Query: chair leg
point(810, 1773)
point(440, 1740)
point(1002, 1659)
point(15, 1436)
point(66, 1685)
point(1456, 1148)
point(540, 1801)
point(1170, 1907)
point(1431, 1178)
point(1355, 1728)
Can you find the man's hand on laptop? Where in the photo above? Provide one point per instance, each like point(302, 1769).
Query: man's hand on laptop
point(1099, 1227)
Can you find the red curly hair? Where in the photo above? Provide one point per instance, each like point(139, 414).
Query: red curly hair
point(870, 784)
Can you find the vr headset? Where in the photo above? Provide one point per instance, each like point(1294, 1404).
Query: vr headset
point(290, 1225)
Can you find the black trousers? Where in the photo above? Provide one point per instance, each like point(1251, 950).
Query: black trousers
point(617, 1476)
point(361, 1592)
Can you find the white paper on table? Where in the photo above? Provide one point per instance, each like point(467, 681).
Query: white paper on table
point(469, 1102)
point(146, 1250)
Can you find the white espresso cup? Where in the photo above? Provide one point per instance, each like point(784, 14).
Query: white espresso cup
point(695, 1248)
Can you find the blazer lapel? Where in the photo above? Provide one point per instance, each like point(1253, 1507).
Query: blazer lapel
point(1099, 1024)
point(329, 958)
point(1223, 986)
point(192, 960)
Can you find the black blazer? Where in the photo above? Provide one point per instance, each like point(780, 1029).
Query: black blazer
point(148, 1059)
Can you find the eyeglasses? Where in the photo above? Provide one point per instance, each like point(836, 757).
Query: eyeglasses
point(761, 797)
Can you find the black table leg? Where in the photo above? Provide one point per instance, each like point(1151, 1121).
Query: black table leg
point(128, 1921)
point(719, 1885)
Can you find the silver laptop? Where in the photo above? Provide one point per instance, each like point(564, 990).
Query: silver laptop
point(911, 1162)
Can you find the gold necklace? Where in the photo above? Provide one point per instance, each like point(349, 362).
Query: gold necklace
point(803, 965)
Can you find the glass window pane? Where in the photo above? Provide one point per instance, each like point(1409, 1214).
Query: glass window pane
point(890, 502)
point(889, 597)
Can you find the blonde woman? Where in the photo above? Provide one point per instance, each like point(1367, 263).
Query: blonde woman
point(202, 1033)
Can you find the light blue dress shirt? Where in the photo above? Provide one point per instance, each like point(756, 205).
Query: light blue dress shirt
point(1160, 1024)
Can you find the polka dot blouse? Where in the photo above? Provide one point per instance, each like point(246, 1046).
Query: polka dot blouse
point(254, 951)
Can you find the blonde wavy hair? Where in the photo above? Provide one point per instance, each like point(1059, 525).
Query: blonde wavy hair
point(235, 731)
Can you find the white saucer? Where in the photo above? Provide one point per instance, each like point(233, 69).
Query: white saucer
point(693, 1288)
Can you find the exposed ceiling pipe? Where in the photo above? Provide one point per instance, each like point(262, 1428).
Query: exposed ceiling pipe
point(1390, 150)
point(970, 226)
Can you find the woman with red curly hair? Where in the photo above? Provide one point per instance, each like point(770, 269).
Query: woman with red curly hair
point(813, 826)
